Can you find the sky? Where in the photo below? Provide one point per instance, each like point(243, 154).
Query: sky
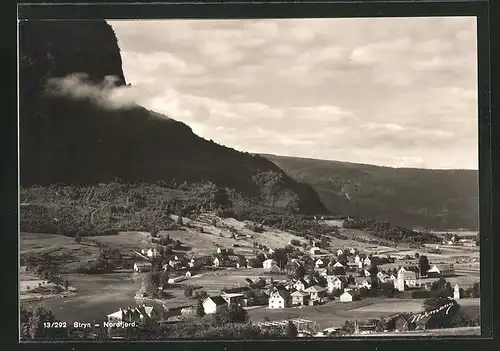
point(398, 92)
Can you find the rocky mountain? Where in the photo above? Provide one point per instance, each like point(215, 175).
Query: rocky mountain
point(439, 199)
point(75, 139)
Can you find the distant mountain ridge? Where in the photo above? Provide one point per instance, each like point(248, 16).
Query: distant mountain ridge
point(438, 199)
point(79, 142)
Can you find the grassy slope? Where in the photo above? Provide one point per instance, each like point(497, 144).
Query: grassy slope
point(408, 197)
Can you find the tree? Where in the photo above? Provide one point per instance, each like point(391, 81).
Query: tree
point(188, 291)
point(417, 255)
point(202, 294)
point(280, 257)
point(349, 327)
point(342, 259)
point(423, 264)
point(324, 242)
point(163, 279)
point(151, 284)
point(230, 314)
point(200, 311)
point(78, 238)
point(66, 284)
point(476, 291)
point(291, 330)
point(32, 322)
point(179, 220)
point(255, 263)
point(434, 302)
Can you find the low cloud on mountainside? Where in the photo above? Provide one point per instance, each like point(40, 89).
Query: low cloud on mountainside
point(392, 91)
point(106, 94)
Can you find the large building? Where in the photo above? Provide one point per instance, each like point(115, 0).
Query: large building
point(141, 314)
point(441, 270)
point(406, 279)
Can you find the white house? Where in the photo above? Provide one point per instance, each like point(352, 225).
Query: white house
point(271, 251)
point(140, 314)
point(300, 298)
point(441, 270)
point(367, 261)
point(382, 277)
point(314, 251)
point(216, 262)
point(366, 273)
point(175, 280)
point(365, 283)
point(323, 272)
point(357, 259)
point(335, 284)
point(213, 303)
point(152, 252)
point(192, 263)
point(142, 266)
point(456, 292)
point(268, 264)
point(174, 263)
point(316, 292)
point(405, 278)
point(340, 252)
point(338, 265)
point(188, 274)
point(279, 299)
point(352, 251)
point(349, 296)
point(319, 263)
point(300, 285)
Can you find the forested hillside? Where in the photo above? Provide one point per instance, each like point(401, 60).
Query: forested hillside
point(76, 139)
point(440, 199)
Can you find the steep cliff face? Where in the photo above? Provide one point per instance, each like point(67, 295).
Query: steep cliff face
point(76, 141)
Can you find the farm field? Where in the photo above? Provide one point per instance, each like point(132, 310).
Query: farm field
point(335, 314)
point(206, 243)
point(124, 241)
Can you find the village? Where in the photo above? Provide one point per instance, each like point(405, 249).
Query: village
point(310, 283)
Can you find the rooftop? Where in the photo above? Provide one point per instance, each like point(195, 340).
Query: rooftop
point(315, 288)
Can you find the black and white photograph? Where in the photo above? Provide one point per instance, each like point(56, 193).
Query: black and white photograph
point(248, 178)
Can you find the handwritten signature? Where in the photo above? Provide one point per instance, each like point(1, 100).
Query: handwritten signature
point(446, 307)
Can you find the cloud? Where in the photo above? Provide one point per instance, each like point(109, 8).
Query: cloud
point(389, 91)
point(106, 94)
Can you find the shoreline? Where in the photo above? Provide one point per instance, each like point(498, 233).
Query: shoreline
point(29, 299)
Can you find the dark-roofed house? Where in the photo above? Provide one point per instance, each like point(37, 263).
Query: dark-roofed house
point(400, 322)
point(213, 303)
point(441, 270)
point(316, 292)
point(300, 298)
